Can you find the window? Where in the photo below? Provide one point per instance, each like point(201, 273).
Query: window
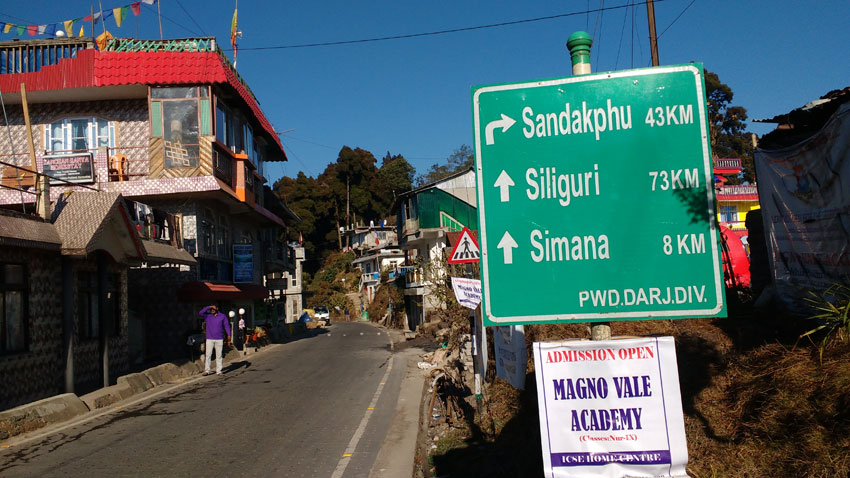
point(13, 314)
point(180, 116)
point(79, 134)
point(221, 122)
point(249, 142)
point(728, 213)
point(88, 306)
point(223, 239)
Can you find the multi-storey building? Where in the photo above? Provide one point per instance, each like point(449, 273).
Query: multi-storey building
point(734, 201)
point(172, 128)
point(425, 216)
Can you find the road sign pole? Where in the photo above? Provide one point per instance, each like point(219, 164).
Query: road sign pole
point(579, 45)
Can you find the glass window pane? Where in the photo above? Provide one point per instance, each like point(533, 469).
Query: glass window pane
point(220, 123)
point(14, 309)
point(102, 128)
point(180, 92)
point(180, 129)
point(13, 274)
point(79, 134)
point(57, 136)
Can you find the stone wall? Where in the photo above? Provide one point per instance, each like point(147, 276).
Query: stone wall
point(38, 372)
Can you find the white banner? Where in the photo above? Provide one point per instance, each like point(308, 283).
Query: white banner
point(610, 408)
point(467, 291)
point(804, 191)
point(511, 358)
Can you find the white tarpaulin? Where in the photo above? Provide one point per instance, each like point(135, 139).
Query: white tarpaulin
point(511, 358)
point(804, 191)
point(610, 408)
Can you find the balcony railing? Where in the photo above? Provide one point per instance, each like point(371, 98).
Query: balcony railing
point(738, 189)
point(727, 163)
point(413, 276)
point(735, 225)
point(370, 277)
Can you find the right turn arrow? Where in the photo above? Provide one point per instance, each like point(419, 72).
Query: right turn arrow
point(504, 123)
point(508, 244)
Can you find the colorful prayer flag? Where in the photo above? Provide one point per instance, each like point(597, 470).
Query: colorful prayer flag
point(82, 31)
point(148, 2)
point(233, 36)
point(41, 29)
point(50, 30)
point(118, 14)
point(21, 30)
point(69, 27)
point(7, 28)
point(137, 8)
point(103, 40)
point(33, 30)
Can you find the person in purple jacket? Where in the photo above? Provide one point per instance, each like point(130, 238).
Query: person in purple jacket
point(217, 328)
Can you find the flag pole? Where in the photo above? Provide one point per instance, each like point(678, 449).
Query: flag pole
point(159, 15)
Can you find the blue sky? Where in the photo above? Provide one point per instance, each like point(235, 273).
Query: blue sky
point(412, 96)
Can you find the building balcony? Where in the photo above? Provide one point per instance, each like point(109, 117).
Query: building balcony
point(727, 166)
point(413, 276)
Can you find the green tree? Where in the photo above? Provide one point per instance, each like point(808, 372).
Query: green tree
point(394, 177)
point(729, 138)
point(461, 159)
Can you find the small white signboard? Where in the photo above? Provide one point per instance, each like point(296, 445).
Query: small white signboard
point(610, 408)
point(511, 357)
point(467, 291)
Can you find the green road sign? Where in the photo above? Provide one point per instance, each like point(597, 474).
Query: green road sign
point(596, 198)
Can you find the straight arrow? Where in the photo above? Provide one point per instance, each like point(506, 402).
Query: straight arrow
point(505, 123)
point(507, 245)
point(504, 183)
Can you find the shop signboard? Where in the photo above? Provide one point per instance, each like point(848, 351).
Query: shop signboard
point(75, 168)
point(243, 263)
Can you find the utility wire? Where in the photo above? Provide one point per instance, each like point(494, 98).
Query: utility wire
point(597, 44)
point(622, 33)
point(172, 21)
point(677, 18)
point(191, 17)
point(441, 32)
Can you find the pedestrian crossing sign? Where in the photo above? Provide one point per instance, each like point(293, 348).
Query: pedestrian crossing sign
point(465, 249)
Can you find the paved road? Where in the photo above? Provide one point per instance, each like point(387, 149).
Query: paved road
point(316, 407)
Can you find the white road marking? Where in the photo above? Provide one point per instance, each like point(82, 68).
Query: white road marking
point(352, 445)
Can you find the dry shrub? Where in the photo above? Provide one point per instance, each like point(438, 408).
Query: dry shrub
point(777, 412)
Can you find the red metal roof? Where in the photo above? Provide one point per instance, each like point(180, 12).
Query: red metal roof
point(91, 68)
point(68, 73)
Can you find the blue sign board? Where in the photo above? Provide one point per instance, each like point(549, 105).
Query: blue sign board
point(243, 263)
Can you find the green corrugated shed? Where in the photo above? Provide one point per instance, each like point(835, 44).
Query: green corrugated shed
point(433, 201)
